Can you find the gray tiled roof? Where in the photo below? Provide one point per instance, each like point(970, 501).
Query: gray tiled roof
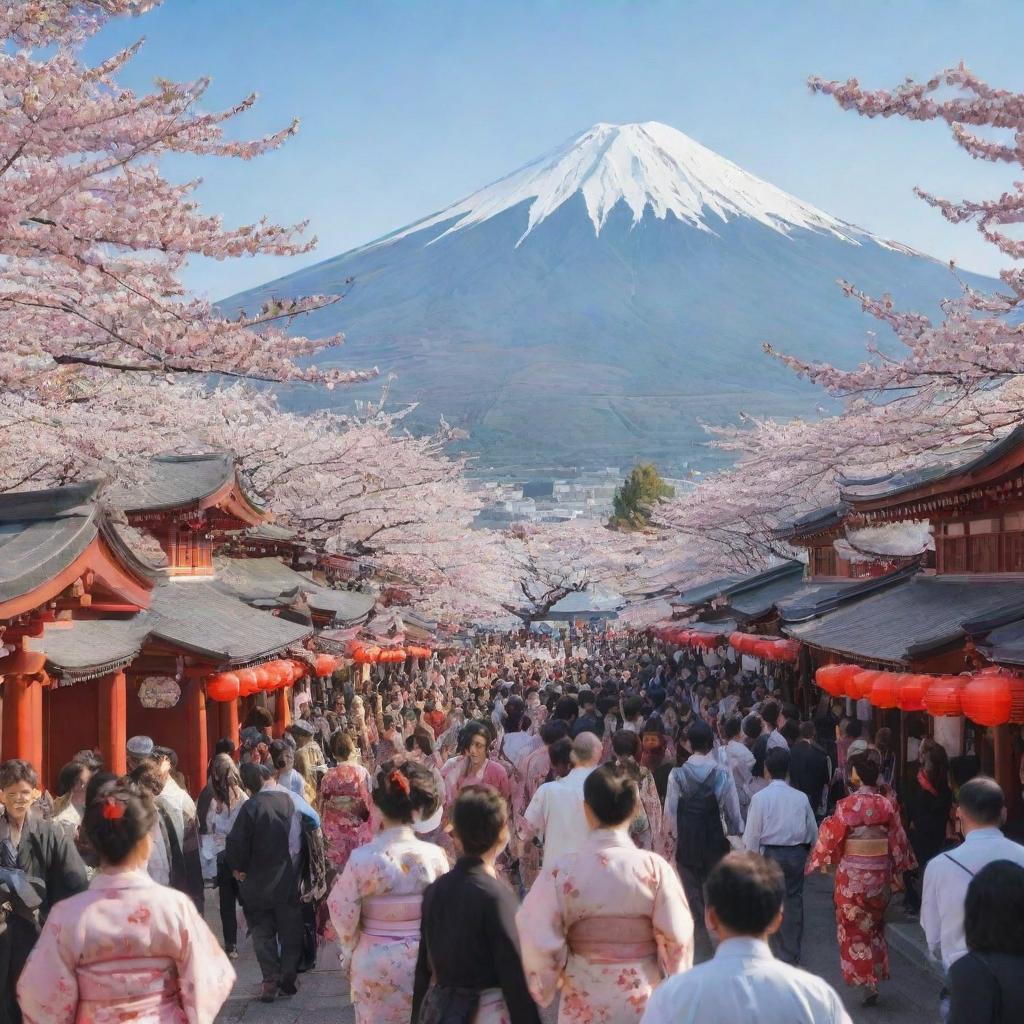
point(912, 618)
point(753, 602)
point(91, 648)
point(812, 522)
point(261, 579)
point(1004, 646)
point(969, 459)
point(814, 599)
point(728, 586)
point(195, 615)
point(348, 606)
point(175, 480)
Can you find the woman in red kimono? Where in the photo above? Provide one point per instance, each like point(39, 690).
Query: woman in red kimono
point(864, 840)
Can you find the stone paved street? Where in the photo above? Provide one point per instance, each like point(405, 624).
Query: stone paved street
point(909, 998)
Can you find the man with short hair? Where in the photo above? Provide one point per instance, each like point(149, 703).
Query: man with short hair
point(810, 769)
point(981, 809)
point(555, 813)
point(738, 759)
point(589, 720)
point(700, 795)
point(781, 826)
point(744, 982)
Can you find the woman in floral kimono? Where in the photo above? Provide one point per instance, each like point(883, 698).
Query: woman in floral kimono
point(645, 829)
point(864, 840)
point(376, 902)
point(344, 803)
point(127, 949)
point(605, 923)
point(473, 767)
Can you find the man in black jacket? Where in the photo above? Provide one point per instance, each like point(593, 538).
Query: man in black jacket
point(259, 851)
point(809, 768)
point(44, 855)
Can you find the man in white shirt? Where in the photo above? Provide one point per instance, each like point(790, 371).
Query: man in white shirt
point(981, 808)
point(555, 813)
point(781, 825)
point(737, 757)
point(770, 715)
point(744, 982)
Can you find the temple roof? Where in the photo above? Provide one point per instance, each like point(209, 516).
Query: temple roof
point(813, 522)
point(751, 596)
point(955, 468)
point(43, 533)
point(196, 616)
point(266, 580)
point(348, 606)
point(178, 481)
point(85, 649)
point(912, 618)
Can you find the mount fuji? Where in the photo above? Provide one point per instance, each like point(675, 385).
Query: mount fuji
point(600, 303)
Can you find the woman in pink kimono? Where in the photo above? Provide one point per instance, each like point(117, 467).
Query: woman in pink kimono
point(473, 767)
point(605, 923)
point(376, 902)
point(127, 949)
point(344, 803)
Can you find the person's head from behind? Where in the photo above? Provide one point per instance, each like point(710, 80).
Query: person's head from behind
point(853, 729)
point(865, 768)
point(224, 779)
point(981, 804)
point(808, 731)
point(743, 896)
point(790, 732)
point(18, 782)
point(700, 737)
point(282, 755)
point(609, 797)
point(731, 728)
point(994, 909)
point(73, 781)
point(480, 822)
point(253, 776)
point(118, 823)
point(752, 728)
point(626, 744)
point(567, 709)
point(342, 747)
point(404, 791)
point(560, 756)
point(146, 778)
point(776, 764)
point(586, 750)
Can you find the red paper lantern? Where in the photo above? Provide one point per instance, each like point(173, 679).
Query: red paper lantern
point(248, 683)
point(885, 689)
point(835, 679)
point(224, 686)
point(325, 664)
point(942, 696)
point(912, 691)
point(859, 686)
point(993, 698)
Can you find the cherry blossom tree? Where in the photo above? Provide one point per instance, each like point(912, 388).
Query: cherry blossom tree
point(93, 237)
point(955, 381)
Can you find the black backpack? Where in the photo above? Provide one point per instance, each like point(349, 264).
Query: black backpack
point(700, 838)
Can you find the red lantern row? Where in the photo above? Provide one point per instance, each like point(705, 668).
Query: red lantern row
point(418, 652)
point(766, 648)
point(244, 682)
point(690, 638)
point(370, 654)
point(989, 697)
point(325, 664)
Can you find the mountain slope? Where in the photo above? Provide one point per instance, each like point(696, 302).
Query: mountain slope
point(599, 303)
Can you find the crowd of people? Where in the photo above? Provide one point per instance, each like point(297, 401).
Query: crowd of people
point(621, 826)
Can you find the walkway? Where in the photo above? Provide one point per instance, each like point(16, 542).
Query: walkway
point(909, 998)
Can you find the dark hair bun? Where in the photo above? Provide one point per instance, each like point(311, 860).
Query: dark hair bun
point(117, 820)
point(403, 787)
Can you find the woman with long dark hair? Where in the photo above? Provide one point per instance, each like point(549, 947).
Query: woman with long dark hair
point(929, 808)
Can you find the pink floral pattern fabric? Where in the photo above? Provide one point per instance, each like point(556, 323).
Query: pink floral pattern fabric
point(609, 877)
point(125, 950)
point(381, 970)
point(345, 804)
point(863, 884)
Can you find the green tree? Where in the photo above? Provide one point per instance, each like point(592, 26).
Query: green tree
point(635, 500)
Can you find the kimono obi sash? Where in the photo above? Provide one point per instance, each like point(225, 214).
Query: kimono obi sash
point(136, 986)
point(613, 940)
point(867, 841)
point(392, 917)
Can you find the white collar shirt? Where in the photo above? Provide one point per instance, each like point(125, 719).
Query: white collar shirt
point(776, 739)
point(556, 813)
point(945, 887)
point(743, 983)
point(779, 815)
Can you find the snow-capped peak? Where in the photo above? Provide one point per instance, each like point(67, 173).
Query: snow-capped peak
point(642, 165)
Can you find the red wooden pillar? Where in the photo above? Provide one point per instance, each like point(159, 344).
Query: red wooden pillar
point(112, 698)
point(228, 726)
point(23, 720)
point(198, 747)
point(282, 712)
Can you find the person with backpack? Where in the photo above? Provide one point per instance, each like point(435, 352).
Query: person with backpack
point(701, 795)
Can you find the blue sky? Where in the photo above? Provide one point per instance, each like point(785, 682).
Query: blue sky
point(407, 106)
